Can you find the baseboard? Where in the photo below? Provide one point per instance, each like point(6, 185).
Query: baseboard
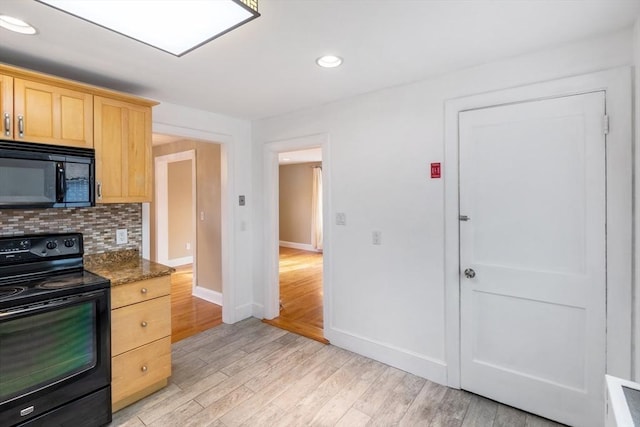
point(208, 295)
point(301, 246)
point(175, 262)
point(244, 312)
point(417, 364)
point(258, 311)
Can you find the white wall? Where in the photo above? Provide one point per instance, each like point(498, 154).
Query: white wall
point(235, 137)
point(388, 301)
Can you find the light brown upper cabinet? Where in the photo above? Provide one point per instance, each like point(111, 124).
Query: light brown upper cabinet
point(50, 114)
point(6, 105)
point(122, 140)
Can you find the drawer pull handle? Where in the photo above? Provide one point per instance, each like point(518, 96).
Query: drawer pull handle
point(143, 324)
point(144, 368)
point(143, 290)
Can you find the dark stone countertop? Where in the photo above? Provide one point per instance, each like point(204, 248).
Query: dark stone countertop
point(122, 267)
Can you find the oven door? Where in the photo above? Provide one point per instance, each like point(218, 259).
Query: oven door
point(53, 353)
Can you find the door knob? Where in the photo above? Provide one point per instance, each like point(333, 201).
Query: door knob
point(469, 273)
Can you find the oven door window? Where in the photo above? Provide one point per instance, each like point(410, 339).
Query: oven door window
point(46, 347)
point(27, 181)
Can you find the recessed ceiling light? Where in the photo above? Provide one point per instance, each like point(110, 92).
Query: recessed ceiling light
point(16, 25)
point(329, 61)
point(174, 26)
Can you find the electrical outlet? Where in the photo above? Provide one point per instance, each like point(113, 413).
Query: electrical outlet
point(341, 218)
point(376, 237)
point(121, 236)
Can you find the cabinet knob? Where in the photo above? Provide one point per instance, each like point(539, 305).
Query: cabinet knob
point(143, 290)
point(144, 368)
point(143, 324)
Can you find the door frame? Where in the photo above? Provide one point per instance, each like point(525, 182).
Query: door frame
point(271, 150)
point(619, 209)
point(227, 201)
point(162, 206)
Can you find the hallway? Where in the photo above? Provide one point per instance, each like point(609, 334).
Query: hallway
point(190, 315)
point(301, 294)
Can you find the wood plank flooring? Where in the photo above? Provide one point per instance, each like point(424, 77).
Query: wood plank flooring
point(300, 293)
point(190, 315)
point(252, 374)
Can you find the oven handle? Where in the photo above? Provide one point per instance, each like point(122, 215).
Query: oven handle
point(61, 182)
point(25, 309)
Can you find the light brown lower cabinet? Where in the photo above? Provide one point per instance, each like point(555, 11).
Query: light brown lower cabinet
point(140, 339)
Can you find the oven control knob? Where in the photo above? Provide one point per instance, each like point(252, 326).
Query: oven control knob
point(69, 243)
point(52, 245)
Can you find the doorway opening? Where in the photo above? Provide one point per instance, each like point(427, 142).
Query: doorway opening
point(185, 229)
point(300, 244)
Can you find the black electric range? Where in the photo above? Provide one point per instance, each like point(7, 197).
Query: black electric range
point(55, 337)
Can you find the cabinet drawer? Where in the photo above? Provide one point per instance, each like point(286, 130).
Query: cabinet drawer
point(139, 324)
point(137, 369)
point(144, 290)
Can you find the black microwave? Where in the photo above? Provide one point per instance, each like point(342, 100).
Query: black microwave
point(45, 176)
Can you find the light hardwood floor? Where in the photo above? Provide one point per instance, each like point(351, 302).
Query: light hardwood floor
point(253, 374)
point(300, 293)
point(189, 315)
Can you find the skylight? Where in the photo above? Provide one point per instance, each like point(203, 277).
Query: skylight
point(175, 26)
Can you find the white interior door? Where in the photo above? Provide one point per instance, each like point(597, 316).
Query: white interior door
point(532, 182)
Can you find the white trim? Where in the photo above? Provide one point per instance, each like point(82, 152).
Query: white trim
point(257, 311)
point(162, 206)
point(176, 262)
point(636, 122)
point(617, 84)
point(244, 311)
point(271, 149)
point(207, 295)
point(301, 246)
point(227, 219)
point(417, 364)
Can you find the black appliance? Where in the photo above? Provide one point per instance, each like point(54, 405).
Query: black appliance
point(55, 335)
point(45, 176)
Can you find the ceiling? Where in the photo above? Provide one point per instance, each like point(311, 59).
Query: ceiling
point(267, 68)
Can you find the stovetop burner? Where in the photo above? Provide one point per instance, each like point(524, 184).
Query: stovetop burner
point(7, 292)
point(28, 290)
point(58, 283)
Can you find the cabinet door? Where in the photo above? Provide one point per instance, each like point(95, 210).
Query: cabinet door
point(6, 106)
point(123, 151)
point(52, 115)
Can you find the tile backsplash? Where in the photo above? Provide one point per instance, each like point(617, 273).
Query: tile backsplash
point(98, 224)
